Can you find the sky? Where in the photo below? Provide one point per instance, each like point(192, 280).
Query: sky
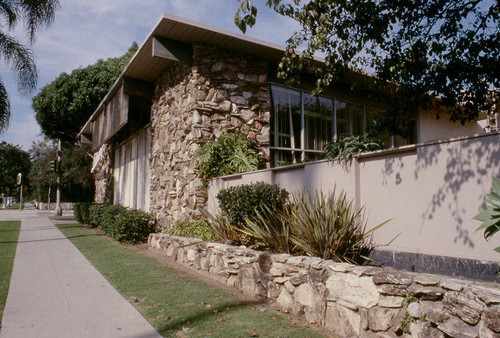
point(85, 31)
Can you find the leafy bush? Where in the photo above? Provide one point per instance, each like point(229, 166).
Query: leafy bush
point(239, 203)
point(133, 226)
point(95, 211)
point(346, 147)
point(196, 229)
point(231, 153)
point(124, 225)
point(108, 218)
point(81, 212)
point(491, 216)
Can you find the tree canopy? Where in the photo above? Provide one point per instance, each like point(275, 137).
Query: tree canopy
point(422, 50)
point(13, 160)
point(63, 106)
point(35, 14)
point(77, 183)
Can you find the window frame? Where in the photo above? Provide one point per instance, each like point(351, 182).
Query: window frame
point(303, 150)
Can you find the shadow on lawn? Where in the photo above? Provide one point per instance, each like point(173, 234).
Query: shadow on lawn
point(196, 317)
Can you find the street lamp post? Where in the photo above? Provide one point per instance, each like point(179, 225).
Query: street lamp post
point(58, 211)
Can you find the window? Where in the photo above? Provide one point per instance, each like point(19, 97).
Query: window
point(302, 124)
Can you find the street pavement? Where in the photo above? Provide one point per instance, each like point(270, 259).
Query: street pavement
point(55, 291)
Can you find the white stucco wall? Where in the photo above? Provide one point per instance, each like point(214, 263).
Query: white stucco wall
point(430, 191)
point(432, 129)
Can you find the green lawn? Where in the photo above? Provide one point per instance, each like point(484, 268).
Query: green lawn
point(177, 304)
point(9, 233)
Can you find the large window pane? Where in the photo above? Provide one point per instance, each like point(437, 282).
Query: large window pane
point(287, 117)
point(317, 121)
point(349, 118)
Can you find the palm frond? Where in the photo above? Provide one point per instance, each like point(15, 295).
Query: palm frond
point(37, 14)
point(22, 60)
point(4, 108)
point(9, 12)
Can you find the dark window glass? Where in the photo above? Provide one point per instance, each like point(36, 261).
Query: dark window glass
point(287, 117)
point(349, 118)
point(317, 121)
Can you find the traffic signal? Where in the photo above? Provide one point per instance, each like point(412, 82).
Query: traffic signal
point(19, 179)
point(53, 166)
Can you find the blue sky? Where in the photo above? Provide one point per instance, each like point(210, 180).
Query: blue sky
point(85, 31)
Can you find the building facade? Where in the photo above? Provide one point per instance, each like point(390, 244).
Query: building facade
point(189, 83)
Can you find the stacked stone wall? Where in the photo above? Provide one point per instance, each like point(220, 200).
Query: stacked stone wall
point(221, 91)
point(349, 300)
point(103, 175)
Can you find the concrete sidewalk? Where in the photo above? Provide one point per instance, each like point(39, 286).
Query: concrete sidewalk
point(56, 292)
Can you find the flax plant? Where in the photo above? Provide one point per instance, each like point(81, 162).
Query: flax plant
point(329, 226)
point(221, 227)
point(271, 228)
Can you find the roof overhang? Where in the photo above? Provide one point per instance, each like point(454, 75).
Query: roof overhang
point(170, 40)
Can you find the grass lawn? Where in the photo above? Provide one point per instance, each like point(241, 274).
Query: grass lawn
point(174, 303)
point(9, 233)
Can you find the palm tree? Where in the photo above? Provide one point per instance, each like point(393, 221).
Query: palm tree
point(35, 14)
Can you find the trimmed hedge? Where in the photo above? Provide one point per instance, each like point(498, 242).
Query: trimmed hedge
point(81, 212)
point(240, 202)
point(124, 225)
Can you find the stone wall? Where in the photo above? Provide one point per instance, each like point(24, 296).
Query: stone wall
point(221, 91)
point(103, 174)
point(349, 300)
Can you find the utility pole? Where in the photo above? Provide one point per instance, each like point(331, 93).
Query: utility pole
point(58, 211)
point(20, 184)
point(48, 199)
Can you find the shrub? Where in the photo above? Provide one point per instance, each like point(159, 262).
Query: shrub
point(239, 203)
point(322, 225)
point(491, 216)
point(221, 227)
point(95, 211)
point(133, 226)
point(328, 226)
point(81, 212)
point(231, 153)
point(108, 218)
point(272, 229)
point(346, 147)
point(197, 229)
point(124, 225)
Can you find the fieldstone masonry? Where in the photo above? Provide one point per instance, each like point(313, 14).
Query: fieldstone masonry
point(222, 91)
point(349, 300)
point(103, 175)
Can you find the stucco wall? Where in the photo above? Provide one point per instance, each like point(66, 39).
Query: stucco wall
point(430, 191)
point(432, 129)
point(221, 91)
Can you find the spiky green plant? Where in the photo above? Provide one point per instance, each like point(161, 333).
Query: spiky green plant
point(329, 226)
point(231, 153)
point(346, 147)
point(491, 216)
point(221, 227)
point(271, 228)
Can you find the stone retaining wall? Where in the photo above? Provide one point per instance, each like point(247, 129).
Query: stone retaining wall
point(349, 300)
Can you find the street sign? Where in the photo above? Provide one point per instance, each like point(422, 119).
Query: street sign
point(19, 179)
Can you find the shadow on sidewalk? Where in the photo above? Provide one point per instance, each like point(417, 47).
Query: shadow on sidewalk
point(51, 239)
